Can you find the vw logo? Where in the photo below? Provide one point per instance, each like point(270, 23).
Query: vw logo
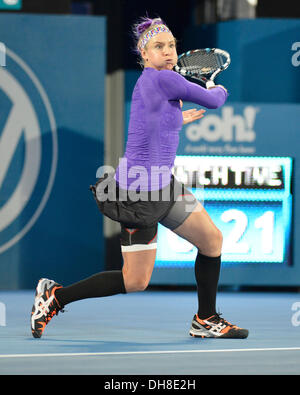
point(28, 150)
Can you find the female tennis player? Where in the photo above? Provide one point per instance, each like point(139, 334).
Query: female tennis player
point(155, 122)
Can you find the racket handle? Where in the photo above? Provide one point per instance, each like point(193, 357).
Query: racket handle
point(210, 84)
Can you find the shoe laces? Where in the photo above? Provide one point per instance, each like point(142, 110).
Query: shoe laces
point(53, 311)
point(217, 319)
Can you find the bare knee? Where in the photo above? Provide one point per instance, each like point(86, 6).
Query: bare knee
point(212, 246)
point(135, 284)
point(137, 269)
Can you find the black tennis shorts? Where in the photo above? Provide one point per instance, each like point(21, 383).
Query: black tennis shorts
point(139, 215)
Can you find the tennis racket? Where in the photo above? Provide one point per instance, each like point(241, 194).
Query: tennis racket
point(203, 64)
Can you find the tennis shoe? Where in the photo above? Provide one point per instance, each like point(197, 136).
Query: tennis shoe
point(216, 327)
point(45, 306)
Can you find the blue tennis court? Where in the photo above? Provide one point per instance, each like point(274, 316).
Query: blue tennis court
point(147, 334)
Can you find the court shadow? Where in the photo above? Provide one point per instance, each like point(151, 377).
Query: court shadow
point(95, 346)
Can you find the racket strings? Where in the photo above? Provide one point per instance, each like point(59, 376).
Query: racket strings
point(203, 63)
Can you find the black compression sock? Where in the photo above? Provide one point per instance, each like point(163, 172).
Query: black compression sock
point(207, 271)
point(99, 285)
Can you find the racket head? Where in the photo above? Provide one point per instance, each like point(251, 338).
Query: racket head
point(203, 64)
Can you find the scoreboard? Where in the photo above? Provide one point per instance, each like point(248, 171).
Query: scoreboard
point(250, 201)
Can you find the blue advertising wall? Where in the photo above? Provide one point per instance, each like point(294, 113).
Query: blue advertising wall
point(272, 132)
point(51, 143)
point(264, 54)
point(260, 118)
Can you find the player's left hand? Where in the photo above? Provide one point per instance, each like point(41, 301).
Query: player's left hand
point(192, 115)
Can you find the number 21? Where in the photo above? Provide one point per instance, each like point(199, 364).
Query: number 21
point(233, 244)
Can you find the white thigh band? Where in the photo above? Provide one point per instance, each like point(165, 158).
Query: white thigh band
point(139, 247)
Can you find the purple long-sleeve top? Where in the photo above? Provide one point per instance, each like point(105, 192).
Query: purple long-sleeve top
point(154, 126)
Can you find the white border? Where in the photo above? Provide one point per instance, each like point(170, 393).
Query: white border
point(83, 354)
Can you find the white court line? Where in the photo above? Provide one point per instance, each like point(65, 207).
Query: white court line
point(85, 354)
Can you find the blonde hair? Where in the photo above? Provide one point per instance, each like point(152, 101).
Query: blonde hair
point(141, 29)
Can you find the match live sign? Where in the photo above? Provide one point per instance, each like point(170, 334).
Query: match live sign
point(230, 172)
point(248, 198)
